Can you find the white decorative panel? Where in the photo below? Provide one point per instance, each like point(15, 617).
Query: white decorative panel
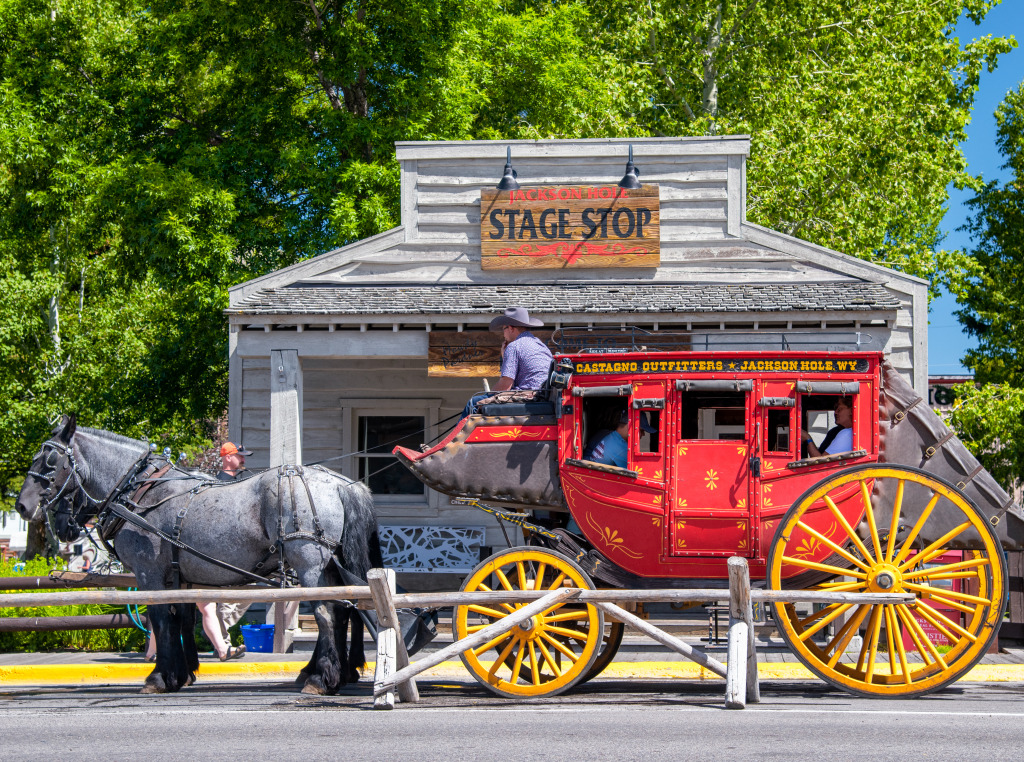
point(431, 548)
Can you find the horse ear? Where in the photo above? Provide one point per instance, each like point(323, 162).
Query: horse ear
point(67, 428)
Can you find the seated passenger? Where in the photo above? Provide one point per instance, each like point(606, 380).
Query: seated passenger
point(840, 437)
point(610, 448)
point(525, 359)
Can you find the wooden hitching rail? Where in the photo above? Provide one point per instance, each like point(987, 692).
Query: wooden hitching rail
point(395, 674)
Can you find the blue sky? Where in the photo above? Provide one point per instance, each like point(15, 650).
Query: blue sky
point(946, 342)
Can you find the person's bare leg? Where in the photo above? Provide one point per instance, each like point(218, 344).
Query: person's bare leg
point(211, 626)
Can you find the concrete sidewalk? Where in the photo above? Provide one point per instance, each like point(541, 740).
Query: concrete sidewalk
point(638, 658)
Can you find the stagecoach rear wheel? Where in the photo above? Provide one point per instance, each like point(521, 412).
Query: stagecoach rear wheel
point(916, 534)
point(549, 653)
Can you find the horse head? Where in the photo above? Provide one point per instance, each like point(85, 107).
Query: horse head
point(53, 488)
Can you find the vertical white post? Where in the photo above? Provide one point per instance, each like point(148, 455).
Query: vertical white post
point(285, 449)
point(740, 627)
point(285, 408)
point(391, 653)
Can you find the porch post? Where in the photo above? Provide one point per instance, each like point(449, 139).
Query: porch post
point(285, 449)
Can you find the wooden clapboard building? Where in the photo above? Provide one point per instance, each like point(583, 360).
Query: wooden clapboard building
point(369, 345)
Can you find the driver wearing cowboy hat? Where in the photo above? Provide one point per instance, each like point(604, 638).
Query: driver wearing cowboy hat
point(525, 359)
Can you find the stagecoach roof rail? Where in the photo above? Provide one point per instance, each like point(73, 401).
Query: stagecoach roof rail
point(572, 340)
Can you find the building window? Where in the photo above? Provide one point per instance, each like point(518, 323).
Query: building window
point(378, 435)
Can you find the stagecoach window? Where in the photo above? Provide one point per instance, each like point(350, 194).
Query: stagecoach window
point(712, 415)
point(378, 436)
point(778, 431)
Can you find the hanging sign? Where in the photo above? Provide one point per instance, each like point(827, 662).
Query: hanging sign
point(570, 226)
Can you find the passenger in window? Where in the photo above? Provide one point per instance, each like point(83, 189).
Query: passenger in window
point(611, 448)
point(839, 438)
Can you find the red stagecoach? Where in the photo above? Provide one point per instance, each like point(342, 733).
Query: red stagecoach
point(726, 472)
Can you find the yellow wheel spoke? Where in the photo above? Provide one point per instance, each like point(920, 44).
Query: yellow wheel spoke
point(943, 623)
point(521, 569)
point(504, 580)
point(845, 635)
point(493, 643)
point(894, 524)
point(946, 571)
point(541, 568)
point(915, 634)
point(892, 624)
point(846, 527)
point(549, 659)
point(916, 530)
point(484, 588)
point(576, 615)
point(837, 611)
point(558, 581)
point(841, 587)
point(501, 657)
point(836, 548)
point(518, 665)
point(534, 666)
point(949, 597)
point(921, 638)
point(937, 548)
point(486, 611)
point(870, 514)
point(870, 646)
point(565, 650)
point(565, 632)
point(838, 571)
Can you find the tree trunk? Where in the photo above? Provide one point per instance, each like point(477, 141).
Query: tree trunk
point(710, 103)
point(35, 545)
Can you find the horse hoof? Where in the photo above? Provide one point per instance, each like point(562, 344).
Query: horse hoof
point(190, 679)
point(313, 687)
point(303, 677)
point(151, 688)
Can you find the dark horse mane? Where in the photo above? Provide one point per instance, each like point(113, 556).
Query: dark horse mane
point(110, 436)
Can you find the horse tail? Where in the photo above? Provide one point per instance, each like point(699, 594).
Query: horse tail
point(359, 550)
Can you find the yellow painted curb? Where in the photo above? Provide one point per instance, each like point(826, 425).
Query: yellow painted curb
point(83, 674)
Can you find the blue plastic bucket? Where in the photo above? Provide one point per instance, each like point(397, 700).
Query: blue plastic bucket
point(258, 637)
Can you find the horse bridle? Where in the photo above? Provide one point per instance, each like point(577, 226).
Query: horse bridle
point(70, 486)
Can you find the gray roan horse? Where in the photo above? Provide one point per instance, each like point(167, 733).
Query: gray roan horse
point(292, 517)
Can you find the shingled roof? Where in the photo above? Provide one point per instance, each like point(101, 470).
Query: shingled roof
point(575, 298)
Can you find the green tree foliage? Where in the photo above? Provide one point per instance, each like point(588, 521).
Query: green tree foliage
point(856, 109)
point(152, 154)
point(991, 418)
point(993, 303)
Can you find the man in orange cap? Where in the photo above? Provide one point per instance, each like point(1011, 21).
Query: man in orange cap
point(232, 460)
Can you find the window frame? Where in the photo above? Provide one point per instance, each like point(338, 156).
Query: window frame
point(354, 408)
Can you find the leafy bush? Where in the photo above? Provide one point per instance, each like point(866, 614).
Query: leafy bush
point(126, 639)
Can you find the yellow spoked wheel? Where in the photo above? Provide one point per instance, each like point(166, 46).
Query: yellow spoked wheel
point(913, 533)
point(548, 653)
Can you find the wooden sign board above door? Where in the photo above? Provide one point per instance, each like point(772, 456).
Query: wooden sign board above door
point(569, 227)
point(477, 354)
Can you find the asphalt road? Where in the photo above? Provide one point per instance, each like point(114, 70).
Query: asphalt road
point(456, 720)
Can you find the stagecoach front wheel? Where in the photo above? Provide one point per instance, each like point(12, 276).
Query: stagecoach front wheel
point(882, 528)
point(545, 655)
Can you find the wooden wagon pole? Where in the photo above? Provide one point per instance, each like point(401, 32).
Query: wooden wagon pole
point(391, 651)
point(61, 623)
point(664, 638)
point(480, 637)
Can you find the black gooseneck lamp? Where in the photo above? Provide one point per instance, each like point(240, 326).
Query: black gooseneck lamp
point(631, 179)
point(508, 180)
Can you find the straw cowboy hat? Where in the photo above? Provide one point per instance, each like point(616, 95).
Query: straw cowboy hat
point(517, 316)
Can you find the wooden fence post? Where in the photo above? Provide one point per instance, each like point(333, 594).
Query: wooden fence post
point(739, 634)
point(391, 651)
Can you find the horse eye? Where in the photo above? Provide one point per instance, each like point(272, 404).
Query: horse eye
point(51, 459)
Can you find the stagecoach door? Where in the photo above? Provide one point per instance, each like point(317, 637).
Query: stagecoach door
point(710, 500)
